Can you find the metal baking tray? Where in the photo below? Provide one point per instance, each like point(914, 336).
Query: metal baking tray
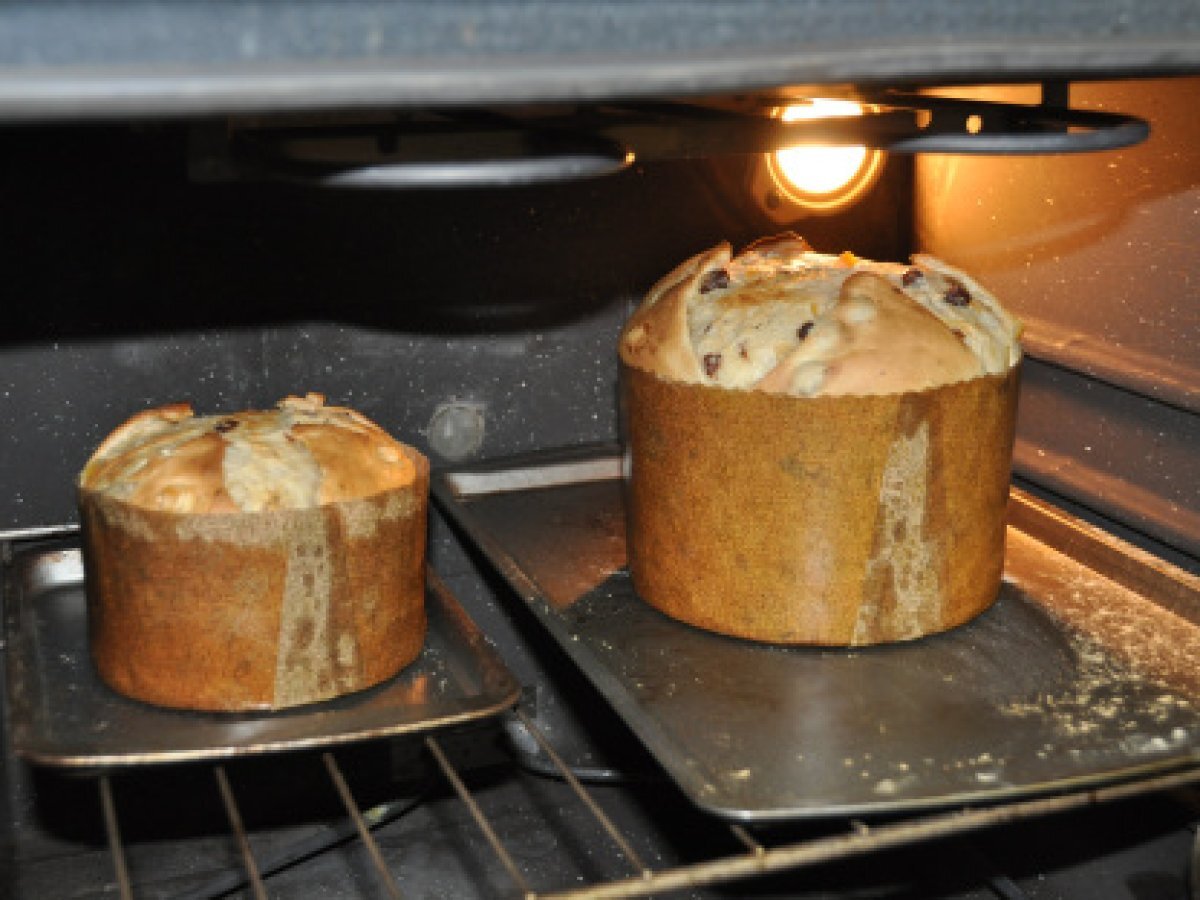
point(1083, 672)
point(62, 715)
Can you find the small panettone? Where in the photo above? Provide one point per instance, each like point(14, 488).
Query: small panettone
point(820, 445)
point(258, 560)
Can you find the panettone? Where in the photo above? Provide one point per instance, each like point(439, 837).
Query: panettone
point(257, 560)
point(820, 445)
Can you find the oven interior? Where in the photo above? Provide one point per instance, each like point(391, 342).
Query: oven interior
point(459, 272)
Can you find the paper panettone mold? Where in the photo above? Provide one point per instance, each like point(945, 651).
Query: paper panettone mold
point(785, 503)
point(259, 560)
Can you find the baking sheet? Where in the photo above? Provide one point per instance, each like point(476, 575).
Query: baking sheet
point(1081, 673)
point(62, 715)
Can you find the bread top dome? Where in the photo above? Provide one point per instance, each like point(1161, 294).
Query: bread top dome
point(300, 455)
point(781, 318)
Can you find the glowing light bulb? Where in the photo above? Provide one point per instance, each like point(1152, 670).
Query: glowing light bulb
point(824, 177)
point(820, 170)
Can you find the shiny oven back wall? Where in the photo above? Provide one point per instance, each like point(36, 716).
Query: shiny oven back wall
point(1097, 254)
point(488, 315)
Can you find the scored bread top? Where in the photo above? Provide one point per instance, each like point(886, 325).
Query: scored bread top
point(300, 455)
point(781, 318)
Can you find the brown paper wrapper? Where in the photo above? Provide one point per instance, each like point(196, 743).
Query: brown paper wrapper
point(256, 610)
point(839, 521)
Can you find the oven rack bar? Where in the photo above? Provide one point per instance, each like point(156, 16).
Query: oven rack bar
point(113, 832)
point(759, 859)
point(239, 832)
point(343, 789)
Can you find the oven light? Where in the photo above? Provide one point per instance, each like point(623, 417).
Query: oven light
point(823, 178)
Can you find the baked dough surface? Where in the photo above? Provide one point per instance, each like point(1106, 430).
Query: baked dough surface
point(300, 455)
point(782, 318)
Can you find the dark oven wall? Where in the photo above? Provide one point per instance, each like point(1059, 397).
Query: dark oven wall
point(471, 323)
point(129, 286)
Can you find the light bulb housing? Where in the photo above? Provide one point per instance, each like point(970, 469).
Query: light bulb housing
point(811, 180)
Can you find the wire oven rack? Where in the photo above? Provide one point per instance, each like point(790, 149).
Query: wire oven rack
point(756, 859)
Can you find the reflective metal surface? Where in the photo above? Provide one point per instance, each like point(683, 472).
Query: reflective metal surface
point(138, 58)
point(1095, 256)
point(1071, 679)
point(62, 715)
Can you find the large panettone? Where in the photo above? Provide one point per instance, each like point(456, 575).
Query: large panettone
point(820, 445)
point(258, 560)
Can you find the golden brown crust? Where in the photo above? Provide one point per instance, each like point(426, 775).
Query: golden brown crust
point(902, 346)
point(296, 456)
point(233, 610)
point(656, 336)
point(782, 318)
point(826, 520)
